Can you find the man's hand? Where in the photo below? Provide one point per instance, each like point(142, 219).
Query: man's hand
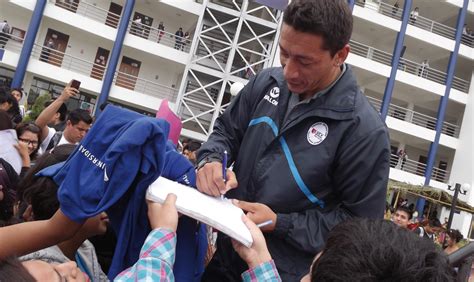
point(67, 93)
point(258, 252)
point(210, 180)
point(258, 213)
point(163, 215)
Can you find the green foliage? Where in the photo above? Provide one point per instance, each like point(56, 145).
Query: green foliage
point(37, 107)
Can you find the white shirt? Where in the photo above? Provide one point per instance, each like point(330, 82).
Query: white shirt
point(45, 143)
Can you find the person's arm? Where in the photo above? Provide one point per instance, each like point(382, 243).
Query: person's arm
point(158, 252)
point(48, 113)
point(24, 238)
point(360, 180)
point(228, 132)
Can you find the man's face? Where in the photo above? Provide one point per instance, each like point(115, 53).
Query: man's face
point(307, 67)
point(5, 106)
point(401, 218)
point(75, 133)
point(17, 95)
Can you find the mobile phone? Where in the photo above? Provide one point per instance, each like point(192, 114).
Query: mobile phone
point(75, 84)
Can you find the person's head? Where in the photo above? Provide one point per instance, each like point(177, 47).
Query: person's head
point(314, 43)
point(377, 250)
point(43, 271)
point(17, 93)
point(454, 237)
point(60, 115)
point(57, 155)
point(433, 226)
point(180, 29)
point(29, 133)
point(189, 150)
point(416, 9)
point(6, 101)
point(77, 125)
point(402, 216)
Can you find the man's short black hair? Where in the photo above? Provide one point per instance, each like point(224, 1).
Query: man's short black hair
point(406, 210)
point(62, 110)
point(79, 115)
point(378, 250)
point(434, 222)
point(192, 146)
point(331, 19)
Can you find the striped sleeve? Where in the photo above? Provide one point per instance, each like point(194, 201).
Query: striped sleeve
point(156, 259)
point(263, 272)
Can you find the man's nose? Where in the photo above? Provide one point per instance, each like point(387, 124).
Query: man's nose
point(290, 70)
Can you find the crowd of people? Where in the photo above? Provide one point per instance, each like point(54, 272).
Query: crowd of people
point(309, 155)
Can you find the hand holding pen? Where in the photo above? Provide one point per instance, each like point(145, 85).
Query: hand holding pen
point(210, 178)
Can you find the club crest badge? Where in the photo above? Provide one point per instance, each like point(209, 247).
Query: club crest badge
point(317, 133)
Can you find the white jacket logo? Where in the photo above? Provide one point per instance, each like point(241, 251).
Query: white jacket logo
point(272, 96)
point(317, 133)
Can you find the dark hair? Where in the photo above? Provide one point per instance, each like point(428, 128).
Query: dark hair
point(455, 235)
point(9, 193)
point(33, 128)
point(79, 115)
point(378, 250)
point(11, 269)
point(62, 110)
point(5, 121)
point(17, 89)
point(434, 222)
point(59, 154)
point(192, 146)
point(14, 111)
point(406, 210)
point(331, 19)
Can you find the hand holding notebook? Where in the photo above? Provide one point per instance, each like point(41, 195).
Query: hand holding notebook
point(214, 211)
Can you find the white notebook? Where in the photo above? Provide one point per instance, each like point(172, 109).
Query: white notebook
point(214, 211)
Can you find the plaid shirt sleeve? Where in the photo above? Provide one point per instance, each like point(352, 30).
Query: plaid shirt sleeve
point(156, 259)
point(263, 272)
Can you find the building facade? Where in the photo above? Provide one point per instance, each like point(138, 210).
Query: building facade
point(416, 68)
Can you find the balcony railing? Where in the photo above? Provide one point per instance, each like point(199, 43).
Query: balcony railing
point(418, 168)
point(91, 11)
point(159, 36)
point(11, 42)
point(144, 86)
point(416, 118)
point(66, 61)
point(383, 8)
point(371, 53)
point(420, 22)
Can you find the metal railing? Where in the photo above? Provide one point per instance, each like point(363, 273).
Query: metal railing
point(383, 8)
point(65, 61)
point(416, 118)
point(145, 86)
point(11, 42)
point(467, 40)
point(418, 21)
point(88, 10)
point(160, 36)
point(405, 164)
point(425, 71)
point(371, 53)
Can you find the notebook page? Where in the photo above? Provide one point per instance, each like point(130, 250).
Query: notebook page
point(214, 211)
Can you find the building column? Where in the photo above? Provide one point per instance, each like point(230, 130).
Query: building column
point(114, 55)
point(387, 96)
point(444, 102)
point(28, 43)
point(409, 113)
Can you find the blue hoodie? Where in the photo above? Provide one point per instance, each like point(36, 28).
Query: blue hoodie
point(123, 153)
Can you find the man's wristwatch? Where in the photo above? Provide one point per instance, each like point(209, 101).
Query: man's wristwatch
point(209, 158)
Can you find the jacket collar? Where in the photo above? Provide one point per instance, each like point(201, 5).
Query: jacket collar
point(338, 103)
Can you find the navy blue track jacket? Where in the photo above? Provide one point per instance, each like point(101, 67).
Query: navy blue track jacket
point(329, 161)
